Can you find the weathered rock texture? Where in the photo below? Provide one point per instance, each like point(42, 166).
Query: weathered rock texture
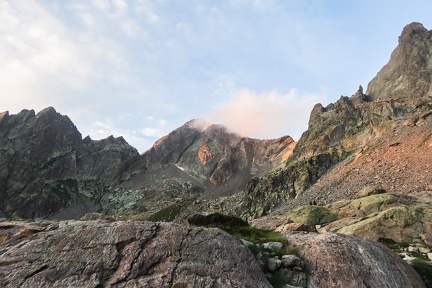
point(123, 254)
point(343, 261)
point(383, 216)
point(211, 155)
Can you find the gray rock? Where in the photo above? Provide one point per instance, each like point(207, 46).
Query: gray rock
point(413, 249)
point(369, 190)
point(408, 72)
point(45, 166)
point(124, 254)
point(289, 261)
point(247, 243)
point(294, 278)
point(272, 245)
point(429, 256)
point(336, 260)
point(273, 264)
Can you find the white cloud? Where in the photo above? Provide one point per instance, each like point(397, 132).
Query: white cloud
point(266, 115)
point(99, 59)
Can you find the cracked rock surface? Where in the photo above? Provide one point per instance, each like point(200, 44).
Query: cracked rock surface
point(122, 254)
point(337, 260)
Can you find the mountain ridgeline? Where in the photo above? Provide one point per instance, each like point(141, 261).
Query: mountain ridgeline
point(364, 163)
point(48, 170)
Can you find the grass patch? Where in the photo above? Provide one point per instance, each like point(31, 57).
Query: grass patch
point(393, 245)
point(167, 214)
point(287, 250)
point(278, 281)
point(424, 269)
point(241, 230)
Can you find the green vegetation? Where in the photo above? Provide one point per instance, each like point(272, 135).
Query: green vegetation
point(310, 215)
point(241, 230)
point(393, 245)
point(167, 214)
point(217, 220)
point(277, 280)
point(420, 264)
point(254, 235)
point(424, 269)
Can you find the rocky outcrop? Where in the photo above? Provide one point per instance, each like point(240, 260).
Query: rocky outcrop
point(310, 215)
point(209, 153)
point(409, 71)
point(383, 216)
point(123, 254)
point(45, 165)
point(270, 191)
point(343, 261)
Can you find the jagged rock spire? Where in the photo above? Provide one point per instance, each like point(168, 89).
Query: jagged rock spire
point(409, 70)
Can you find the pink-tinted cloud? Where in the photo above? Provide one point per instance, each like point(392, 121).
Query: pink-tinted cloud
point(266, 115)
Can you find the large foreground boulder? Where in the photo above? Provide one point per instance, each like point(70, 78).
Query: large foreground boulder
point(336, 260)
point(123, 254)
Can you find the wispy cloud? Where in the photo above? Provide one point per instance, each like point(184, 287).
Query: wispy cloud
point(177, 60)
point(266, 115)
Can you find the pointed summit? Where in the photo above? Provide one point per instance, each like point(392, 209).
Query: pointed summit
point(409, 71)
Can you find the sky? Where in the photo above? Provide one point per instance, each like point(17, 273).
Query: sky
point(140, 69)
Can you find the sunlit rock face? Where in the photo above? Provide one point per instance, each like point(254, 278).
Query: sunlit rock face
point(212, 154)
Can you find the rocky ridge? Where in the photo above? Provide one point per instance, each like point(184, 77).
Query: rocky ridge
point(46, 166)
point(358, 131)
point(48, 170)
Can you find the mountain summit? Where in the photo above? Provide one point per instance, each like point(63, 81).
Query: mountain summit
point(409, 71)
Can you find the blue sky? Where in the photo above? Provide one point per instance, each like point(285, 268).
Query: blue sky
point(140, 69)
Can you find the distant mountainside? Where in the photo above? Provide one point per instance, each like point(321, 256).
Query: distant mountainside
point(46, 165)
point(47, 169)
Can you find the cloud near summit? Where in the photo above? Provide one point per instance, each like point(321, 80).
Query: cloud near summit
point(264, 115)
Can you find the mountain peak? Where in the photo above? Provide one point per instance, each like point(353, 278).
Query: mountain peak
point(198, 124)
point(408, 72)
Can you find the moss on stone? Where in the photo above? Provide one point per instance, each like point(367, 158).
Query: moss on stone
point(311, 215)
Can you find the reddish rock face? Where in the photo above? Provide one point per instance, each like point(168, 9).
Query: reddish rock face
point(123, 254)
point(215, 157)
